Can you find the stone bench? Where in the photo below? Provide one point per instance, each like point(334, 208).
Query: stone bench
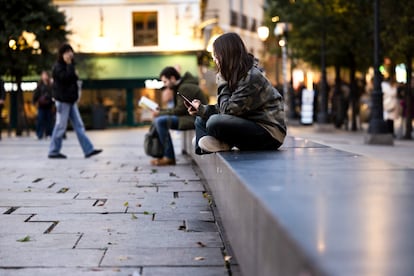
point(309, 209)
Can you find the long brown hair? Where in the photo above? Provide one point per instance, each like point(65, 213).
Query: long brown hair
point(233, 59)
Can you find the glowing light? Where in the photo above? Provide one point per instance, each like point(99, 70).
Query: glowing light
point(36, 44)
point(263, 32)
point(275, 18)
point(12, 44)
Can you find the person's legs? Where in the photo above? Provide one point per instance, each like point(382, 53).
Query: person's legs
point(200, 131)
point(40, 124)
point(241, 133)
point(163, 124)
point(79, 128)
point(62, 115)
point(48, 122)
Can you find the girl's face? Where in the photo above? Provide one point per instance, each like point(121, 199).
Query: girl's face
point(216, 61)
point(68, 57)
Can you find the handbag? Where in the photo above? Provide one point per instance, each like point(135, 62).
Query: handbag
point(152, 144)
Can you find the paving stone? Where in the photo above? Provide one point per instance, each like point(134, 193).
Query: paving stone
point(73, 207)
point(181, 215)
point(127, 224)
point(45, 241)
point(92, 271)
point(181, 186)
point(39, 257)
point(185, 271)
point(200, 226)
point(164, 257)
point(151, 239)
point(16, 224)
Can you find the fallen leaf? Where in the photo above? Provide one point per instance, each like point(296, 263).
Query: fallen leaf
point(201, 244)
point(138, 205)
point(172, 203)
point(27, 190)
point(25, 239)
point(63, 190)
point(154, 171)
point(133, 216)
point(123, 258)
point(126, 204)
point(199, 258)
point(172, 174)
point(147, 213)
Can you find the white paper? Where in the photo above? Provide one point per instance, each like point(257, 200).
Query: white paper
point(148, 103)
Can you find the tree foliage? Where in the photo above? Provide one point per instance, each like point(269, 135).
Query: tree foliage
point(39, 17)
point(30, 34)
point(346, 24)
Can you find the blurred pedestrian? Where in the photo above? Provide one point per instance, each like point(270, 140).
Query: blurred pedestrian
point(177, 116)
point(42, 98)
point(391, 105)
point(2, 99)
point(65, 93)
point(249, 114)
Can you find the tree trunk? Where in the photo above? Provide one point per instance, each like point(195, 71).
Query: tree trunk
point(354, 91)
point(408, 99)
point(337, 104)
point(19, 107)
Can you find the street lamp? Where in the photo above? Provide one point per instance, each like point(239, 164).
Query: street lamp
point(377, 131)
point(281, 30)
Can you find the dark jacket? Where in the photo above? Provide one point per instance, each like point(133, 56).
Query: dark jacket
point(254, 99)
point(42, 96)
point(65, 86)
point(188, 86)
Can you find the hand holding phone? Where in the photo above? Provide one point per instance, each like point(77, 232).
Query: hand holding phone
point(187, 102)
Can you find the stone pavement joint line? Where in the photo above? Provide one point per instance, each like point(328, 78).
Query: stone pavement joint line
point(113, 214)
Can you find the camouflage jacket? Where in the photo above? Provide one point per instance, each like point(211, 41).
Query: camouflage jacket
point(254, 99)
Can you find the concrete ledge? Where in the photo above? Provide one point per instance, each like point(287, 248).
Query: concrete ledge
point(308, 209)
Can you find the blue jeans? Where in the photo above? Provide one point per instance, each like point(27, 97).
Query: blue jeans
point(65, 112)
point(236, 132)
point(163, 124)
point(44, 124)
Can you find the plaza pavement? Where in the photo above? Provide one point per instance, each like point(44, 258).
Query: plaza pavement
point(112, 214)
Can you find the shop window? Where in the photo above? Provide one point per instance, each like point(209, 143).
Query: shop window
point(145, 27)
point(244, 22)
point(234, 16)
point(254, 25)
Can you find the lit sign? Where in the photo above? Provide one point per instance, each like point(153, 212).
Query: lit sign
point(154, 84)
point(26, 86)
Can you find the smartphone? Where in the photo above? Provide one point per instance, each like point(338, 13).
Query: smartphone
point(186, 100)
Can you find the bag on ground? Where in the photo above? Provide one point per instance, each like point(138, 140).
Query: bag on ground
point(152, 144)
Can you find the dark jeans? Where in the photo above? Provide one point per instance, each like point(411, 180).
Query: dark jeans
point(44, 125)
point(235, 131)
point(163, 124)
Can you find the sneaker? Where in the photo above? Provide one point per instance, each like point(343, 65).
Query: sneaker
point(211, 144)
point(94, 152)
point(57, 156)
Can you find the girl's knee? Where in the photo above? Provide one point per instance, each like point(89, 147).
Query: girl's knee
point(214, 121)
